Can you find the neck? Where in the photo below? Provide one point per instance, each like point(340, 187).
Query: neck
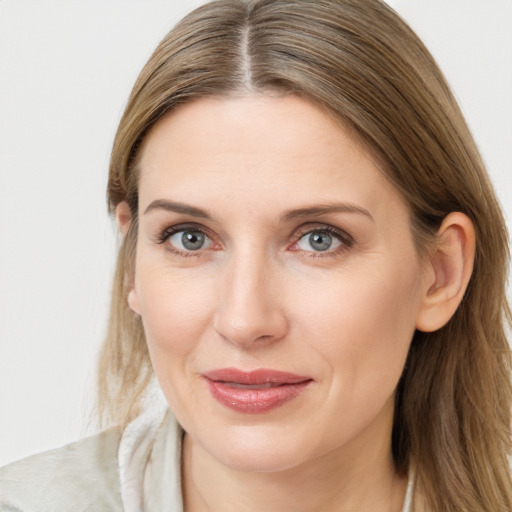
point(357, 478)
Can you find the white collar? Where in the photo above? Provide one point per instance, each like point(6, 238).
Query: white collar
point(149, 461)
point(409, 493)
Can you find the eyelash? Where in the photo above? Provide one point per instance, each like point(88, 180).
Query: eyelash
point(346, 240)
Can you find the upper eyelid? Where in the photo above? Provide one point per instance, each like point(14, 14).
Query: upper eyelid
point(309, 228)
point(187, 226)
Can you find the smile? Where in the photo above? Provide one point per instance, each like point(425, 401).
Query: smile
point(254, 392)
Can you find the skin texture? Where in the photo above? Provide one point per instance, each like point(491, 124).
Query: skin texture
point(258, 295)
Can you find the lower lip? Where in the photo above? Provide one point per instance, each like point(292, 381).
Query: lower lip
point(255, 401)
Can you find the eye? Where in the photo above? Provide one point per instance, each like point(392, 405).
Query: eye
point(318, 241)
point(315, 240)
point(186, 240)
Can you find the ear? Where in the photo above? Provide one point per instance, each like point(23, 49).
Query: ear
point(133, 301)
point(124, 220)
point(123, 216)
point(451, 265)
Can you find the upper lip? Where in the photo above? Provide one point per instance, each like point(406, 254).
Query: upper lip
point(254, 377)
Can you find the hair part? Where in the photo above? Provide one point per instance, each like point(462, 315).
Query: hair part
point(358, 61)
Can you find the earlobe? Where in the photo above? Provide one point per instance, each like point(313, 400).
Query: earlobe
point(451, 262)
point(123, 216)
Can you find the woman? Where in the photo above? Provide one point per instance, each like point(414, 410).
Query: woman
point(313, 267)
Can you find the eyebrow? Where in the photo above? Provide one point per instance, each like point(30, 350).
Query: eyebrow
point(297, 213)
point(324, 209)
point(170, 206)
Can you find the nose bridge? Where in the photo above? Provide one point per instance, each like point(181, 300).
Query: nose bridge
point(248, 308)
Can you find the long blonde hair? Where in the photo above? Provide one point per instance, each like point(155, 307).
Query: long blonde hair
point(359, 61)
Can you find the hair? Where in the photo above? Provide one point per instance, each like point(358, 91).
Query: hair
point(359, 61)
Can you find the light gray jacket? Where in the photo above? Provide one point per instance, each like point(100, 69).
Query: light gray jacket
point(135, 470)
point(78, 477)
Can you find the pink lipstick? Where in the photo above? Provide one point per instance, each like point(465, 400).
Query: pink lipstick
point(256, 391)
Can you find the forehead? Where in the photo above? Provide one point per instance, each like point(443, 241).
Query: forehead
point(256, 148)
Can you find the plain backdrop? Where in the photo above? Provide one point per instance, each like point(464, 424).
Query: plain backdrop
point(66, 69)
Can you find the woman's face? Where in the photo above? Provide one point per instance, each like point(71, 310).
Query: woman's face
point(277, 281)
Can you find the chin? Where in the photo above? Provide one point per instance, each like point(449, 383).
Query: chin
point(250, 450)
point(250, 462)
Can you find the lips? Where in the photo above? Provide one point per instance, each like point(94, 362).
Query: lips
point(254, 392)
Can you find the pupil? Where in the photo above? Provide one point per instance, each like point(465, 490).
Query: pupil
point(320, 241)
point(192, 240)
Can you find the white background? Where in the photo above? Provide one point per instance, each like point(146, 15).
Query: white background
point(66, 69)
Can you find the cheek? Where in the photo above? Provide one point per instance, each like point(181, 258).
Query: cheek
point(175, 308)
point(362, 324)
point(175, 311)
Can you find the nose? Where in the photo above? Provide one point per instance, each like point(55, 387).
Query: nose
point(249, 310)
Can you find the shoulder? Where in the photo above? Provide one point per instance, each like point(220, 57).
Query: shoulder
point(77, 477)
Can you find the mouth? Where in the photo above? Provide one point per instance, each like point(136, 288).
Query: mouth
point(254, 392)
